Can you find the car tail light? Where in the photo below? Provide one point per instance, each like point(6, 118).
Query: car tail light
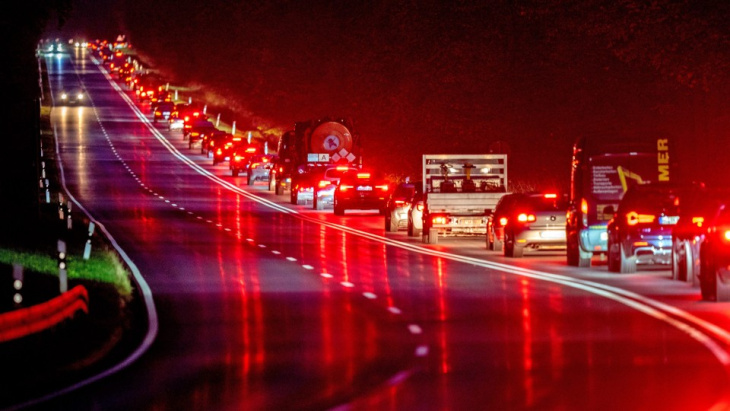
point(158, 113)
point(345, 187)
point(526, 218)
point(323, 183)
point(633, 218)
point(342, 168)
point(363, 175)
point(219, 151)
point(251, 150)
point(439, 220)
point(551, 195)
point(400, 203)
point(583, 206)
point(698, 221)
point(503, 221)
point(237, 158)
point(195, 134)
point(419, 207)
point(383, 187)
point(726, 235)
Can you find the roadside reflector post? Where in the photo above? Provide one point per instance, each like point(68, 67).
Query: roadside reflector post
point(249, 137)
point(61, 214)
point(167, 86)
point(190, 100)
point(87, 247)
point(176, 95)
point(62, 274)
point(205, 109)
point(218, 120)
point(69, 224)
point(43, 169)
point(17, 283)
point(48, 193)
point(233, 128)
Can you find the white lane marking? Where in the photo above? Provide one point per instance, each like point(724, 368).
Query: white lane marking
point(643, 304)
point(262, 245)
point(347, 284)
point(275, 252)
point(307, 267)
point(415, 329)
point(421, 351)
point(394, 310)
point(291, 259)
point(326, 275)
point(369, 295)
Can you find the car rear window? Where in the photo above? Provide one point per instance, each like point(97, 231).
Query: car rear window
point(543, 203)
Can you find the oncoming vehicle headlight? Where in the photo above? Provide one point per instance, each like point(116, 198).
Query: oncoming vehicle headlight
point(64, 96)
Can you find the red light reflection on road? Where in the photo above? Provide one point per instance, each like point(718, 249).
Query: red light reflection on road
point(527, 360)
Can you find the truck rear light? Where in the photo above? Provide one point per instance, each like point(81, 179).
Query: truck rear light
point(583, 206)
point(219, 151)
point(526, 218)
point(640, 244)
point(439, 220)
point(726, 235)
point(698, 221)
point(633, 218)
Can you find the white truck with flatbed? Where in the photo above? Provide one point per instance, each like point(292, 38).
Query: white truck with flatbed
point(460, 192)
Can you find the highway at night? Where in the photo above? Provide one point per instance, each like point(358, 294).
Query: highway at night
point(261, 304)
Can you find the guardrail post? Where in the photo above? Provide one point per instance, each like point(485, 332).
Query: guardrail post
point(62, 274)
point(17, 283)
point(87, 247)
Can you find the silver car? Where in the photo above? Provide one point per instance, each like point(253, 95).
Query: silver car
point(535, 221)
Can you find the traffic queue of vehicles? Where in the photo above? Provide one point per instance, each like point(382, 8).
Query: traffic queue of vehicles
point(624, 203)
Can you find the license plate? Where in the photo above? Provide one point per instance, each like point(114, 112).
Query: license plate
point(552, 234)
point(668, 220)
point(364, 188)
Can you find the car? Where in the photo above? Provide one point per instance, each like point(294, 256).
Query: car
point(415, 215)
point(190, 116)
point(324, 190)
point(176, 120)
point(361, 191)
point(640, 231)
point(209, 141)
point(163, 111)
point(527, 222)
point(258, 168)
point(303, 181)
point(714, 258)
point(396, 213)
point(72, 96)
point(241, 157)
point(225, 147)
point(695, 208)
point(198, 129)
point(280, 176)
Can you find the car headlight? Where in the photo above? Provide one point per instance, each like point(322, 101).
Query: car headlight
point(64, 96)
point(80, 96)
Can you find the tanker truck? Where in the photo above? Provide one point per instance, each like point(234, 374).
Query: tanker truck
point(314, 144)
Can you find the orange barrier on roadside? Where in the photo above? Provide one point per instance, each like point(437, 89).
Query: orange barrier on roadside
point(25, 321)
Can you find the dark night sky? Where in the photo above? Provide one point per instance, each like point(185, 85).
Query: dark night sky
point(433, 76)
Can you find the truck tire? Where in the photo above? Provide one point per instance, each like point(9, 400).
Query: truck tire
point(234, 172)
point(339, 210)
point(249, 178)
point(628, 263)
point(271, 183)
point(511, 249)
point(293, 197)
point(277, 188)
point(490, 244)
point(681, 263)
point(575, 256)
point(614, 260)
point(497, 245)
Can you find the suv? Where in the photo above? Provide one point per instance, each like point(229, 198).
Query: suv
point(534, 221)
point(714, 256)
point(198, 129)
point(696, 207)
point(240, 157)
point(640, 231)
point(361, 191)
point(302, 183)
point(396, 209)
point(324, 189)
point(163, 111)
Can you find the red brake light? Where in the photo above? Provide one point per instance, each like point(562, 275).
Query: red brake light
point(727, 235)
point(698, 221)
point(383, 187)
point(342, 168)
point(551, 195)
point(419, 207)
point(583, 206)
point(250, 150)
point(439, 220)
point(526, 218)
point(323, 183)
point(363, 175)
point(503, 221)
point(345, 187)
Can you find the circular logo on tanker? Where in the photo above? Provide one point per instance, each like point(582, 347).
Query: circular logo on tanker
point(331, 142)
